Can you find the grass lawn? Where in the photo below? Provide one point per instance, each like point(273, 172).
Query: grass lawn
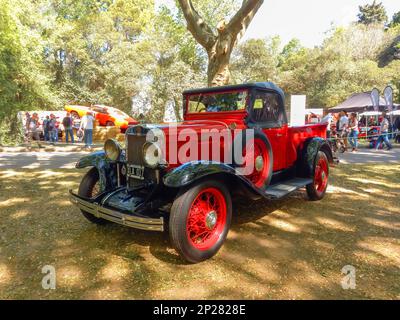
point(290, 249)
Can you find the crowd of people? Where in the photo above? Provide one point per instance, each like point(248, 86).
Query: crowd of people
point(51, 126)
point(345, 128)
point(341, 128)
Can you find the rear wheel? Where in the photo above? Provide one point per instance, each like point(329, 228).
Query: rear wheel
point(317, 189)
point(89, 188)
point(199, 220)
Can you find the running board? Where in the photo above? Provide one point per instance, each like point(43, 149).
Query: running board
point(280, 190)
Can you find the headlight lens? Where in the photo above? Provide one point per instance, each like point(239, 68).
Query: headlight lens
point(112, 149)
point(152, 154)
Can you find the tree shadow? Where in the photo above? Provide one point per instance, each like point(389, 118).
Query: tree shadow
point(290, 248)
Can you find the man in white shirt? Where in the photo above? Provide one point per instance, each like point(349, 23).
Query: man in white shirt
point(343, 121)
point(328, 119)
point(87, 123)
point(384, 133)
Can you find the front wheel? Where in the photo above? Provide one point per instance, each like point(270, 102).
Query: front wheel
point(317, 189)
point(200, 219)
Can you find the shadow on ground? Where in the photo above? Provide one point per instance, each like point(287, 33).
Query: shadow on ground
point(275, 250)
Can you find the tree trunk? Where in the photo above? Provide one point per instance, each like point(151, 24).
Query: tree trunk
point(218, 60)
point(219, 46)
point(218, 70)
point(177, 109)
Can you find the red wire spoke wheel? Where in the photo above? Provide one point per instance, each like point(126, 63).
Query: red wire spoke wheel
point(206, 219)
point(258, 161)
point(199, 220)
point(317, 189)
point(321, 175)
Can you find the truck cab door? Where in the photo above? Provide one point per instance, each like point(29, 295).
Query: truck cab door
point(268, 114)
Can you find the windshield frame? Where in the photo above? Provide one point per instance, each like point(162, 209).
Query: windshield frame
point(188, 96)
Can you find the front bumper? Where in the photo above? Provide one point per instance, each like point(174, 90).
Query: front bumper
point(150, 224)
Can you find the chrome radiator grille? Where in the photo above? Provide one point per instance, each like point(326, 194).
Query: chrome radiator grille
point(134, 149)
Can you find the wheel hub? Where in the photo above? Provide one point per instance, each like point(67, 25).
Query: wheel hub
point(211, 220)
point(259, 163)
point(323, 176)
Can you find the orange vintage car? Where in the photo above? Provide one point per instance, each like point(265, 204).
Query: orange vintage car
point(105, 115)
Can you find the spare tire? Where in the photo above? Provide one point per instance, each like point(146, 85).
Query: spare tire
point(254, 160)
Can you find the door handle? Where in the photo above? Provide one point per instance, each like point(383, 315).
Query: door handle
point(279, 135)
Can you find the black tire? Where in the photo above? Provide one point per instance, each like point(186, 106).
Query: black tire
point(86, 189)
point(261, 136)
point(179, 219)
point(315, 191)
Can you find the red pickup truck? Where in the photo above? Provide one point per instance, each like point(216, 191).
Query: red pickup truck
point(234, 141)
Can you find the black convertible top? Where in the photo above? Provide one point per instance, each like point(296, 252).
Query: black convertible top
point(254, 85)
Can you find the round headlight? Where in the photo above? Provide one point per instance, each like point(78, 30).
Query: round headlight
point(112, 149)
point(151, 154)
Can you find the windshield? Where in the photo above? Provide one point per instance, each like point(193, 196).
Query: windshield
point(217, 102)
point(119, 113)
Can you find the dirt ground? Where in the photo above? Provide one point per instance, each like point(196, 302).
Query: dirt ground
point(290, 249)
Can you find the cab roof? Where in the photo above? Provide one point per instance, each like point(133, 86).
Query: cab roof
point(255, 85)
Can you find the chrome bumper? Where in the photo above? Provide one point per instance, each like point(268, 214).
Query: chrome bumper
point(151, 224)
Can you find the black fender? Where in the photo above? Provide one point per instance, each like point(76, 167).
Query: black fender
point(106, 168)
point(309, 153)
point(194, 171)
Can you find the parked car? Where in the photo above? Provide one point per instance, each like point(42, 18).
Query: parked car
point(107, 116)
point(155, 184)
point(373, 135)
point(368, 131)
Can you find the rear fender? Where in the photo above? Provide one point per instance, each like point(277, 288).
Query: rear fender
point(309, 153)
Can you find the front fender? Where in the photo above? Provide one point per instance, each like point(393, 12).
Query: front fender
point(195, 170)
point(191, 172)
point(99, 160)
point(309, 154)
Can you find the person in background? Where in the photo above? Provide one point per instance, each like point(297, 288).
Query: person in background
point(328, 119)
point(67, 123)
point(56, 128)
point(32, 125)
point(52, 129)
point(396, 128)
point(343, 127)
point(384, 133)
point(354, 131)
point(87, 127)
point(46, 132)
point(26, 127)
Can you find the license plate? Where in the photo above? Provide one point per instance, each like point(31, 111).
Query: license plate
point(136, 172)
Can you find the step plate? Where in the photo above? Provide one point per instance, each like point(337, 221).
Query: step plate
point(280, 190)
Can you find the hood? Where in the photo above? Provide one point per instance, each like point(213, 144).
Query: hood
point(171, 128)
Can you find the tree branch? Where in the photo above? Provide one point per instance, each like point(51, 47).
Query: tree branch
point(241, 20)
point(197, 26)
